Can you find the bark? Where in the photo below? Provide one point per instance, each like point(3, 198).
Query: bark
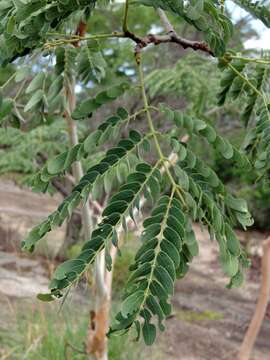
point(74, 225)
point(77, 166)
point(96, 338)
point(96, 343)
point(261, 307)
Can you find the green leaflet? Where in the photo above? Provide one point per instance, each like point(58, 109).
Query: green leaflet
point(256, 9)
point(132, 303)
point(45, 297)
point(90, 57)
point(87, 107)
point(35, 100)
point(229, 77)
point(229, 263)
point(154, 272)
point(27, 27)
point(36, 83)
point(113, 215)
point(257, 141)
point(93, 176)
point(201, 128)
point(61, 163)
point(236, 281)
point(6, 108)
point(149, 333)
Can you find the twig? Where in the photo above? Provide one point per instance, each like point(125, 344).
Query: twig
point(165, 21)
point(125, 27)
point(141, 42)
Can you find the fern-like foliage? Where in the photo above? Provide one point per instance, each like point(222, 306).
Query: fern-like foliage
point(178, 81)
point(178, 192)
point(90, 57)
point(199, 127)
point(168, 242)
point(120, 206)
point(249, 82)
point(257, 142)
point(25, 23)
point(108, 130)
point(168, 246)
point(19, 150)
point(256, 9)
point(116, 161)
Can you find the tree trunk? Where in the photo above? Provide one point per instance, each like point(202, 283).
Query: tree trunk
point(74, 225)
point(99, 320)
point(77, 166)
point(261, 307)
point(96, 343)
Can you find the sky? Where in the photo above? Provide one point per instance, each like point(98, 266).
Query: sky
point(263, 42)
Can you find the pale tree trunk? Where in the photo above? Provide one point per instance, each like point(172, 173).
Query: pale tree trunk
point(77, 166)
point(261, 307)
point(96, 344)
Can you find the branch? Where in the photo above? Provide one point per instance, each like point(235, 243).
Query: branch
point(165, 21)
point(141, 42)
point(172, 37)
point(125, 27)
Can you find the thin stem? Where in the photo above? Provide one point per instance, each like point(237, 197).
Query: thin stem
point(21, 88)
point(8, 80)
point(125, 27)
point(222, 6)
point(153, 108)
point(165, 21)
point(153, 132)
point(250, 60)
point(76, 38)
point(246, 80)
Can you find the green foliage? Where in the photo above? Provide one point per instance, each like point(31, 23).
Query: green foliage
point(241, 79)
point(169, 243)
point(178, 81)
point(256, 9)
point(199, 127)
point(257, 142)
point(53, 335)
point(87, 107)
point(19, 150)
point(229, 78)
point(139, 168)
point(167, 248)
point(24, 24)
point(62, 163)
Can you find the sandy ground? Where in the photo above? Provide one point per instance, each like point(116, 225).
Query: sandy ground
point(208, 323)
point(209, 320)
